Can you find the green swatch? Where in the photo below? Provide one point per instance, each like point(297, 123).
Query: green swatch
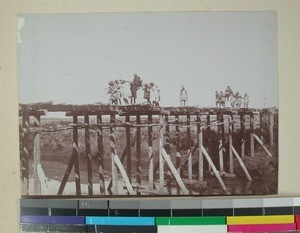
point(191, 221)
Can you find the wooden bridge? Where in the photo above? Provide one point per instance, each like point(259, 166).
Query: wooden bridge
point(169, 166)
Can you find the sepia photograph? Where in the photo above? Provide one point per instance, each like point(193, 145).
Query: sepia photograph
point(148, 104)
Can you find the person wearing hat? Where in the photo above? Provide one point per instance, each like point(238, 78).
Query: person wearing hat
point(228, 93)
point(183, 96)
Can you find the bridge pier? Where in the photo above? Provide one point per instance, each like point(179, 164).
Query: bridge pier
point(138, 154)
point(251, 135)
point(230, 129)
point(37, 155)
point(167, 147)
point(150, 154)
point(25, 154)
point(221, 158)
point(200, 155)
point(88, 154)
point(271, 129)
point(242, 126)
point(114, 172)
point(178, 149)
point(128, 146)
point(100, 154)
point(160, 157)
point(188, 143)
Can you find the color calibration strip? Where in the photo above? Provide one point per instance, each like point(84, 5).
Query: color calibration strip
point(170, 216)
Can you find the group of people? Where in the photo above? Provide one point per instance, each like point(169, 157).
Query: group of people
point(235, 99)
point(121, 90)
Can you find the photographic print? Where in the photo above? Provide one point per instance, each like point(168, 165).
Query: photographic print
point(148, 104)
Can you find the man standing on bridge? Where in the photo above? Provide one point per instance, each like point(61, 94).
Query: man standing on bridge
point(183, 96)
point(134, 86)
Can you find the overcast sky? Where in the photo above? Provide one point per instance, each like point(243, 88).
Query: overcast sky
point(70, 58)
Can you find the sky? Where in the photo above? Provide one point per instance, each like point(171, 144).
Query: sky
point(70, 58)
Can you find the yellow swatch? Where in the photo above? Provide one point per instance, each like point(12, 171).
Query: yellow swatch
point(274, 219)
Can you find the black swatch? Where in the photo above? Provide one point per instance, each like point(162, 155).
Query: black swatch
point(63, 212)
point(217, 212)
point(124, 212)
point(92, 212)
point(248, 211)
point(33, 211)
point(155, 213)
point(279, 210)
point(187, 212)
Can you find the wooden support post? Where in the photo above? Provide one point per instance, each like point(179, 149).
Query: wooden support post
point(241, 164)
point(160, 158)
point(25, 155)
point(37, 156)
point(138, 154)
point(76, 156)
point(276, 121)
point(213, 168)
point(200, 155)
point(208, 133)
point(271, 129)
point(88, 155)
point(232, 125)
point(114, 172)
point(262, 126)
point(109, 186)
point(73, 161)
point(66, 175)
point(167, 146)
point(230, 128)
point(263, 146)
point(223, 135)
point(174, 171)
point(251, 135)
point(100, 154)
point(222, 128)
point(42, 179)
point(242, 122)
point(190, 161)
point(124, 175)
point(150, 145)
point(185, 164)
point(128, 146)
point(178, 150)
point(221, 161)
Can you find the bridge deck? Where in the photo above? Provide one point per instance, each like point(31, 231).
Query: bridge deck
point(138, 109)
